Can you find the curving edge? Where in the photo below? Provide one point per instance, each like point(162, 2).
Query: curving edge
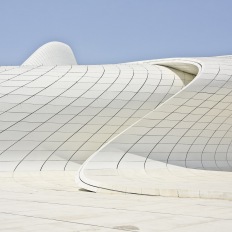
point(171, 166)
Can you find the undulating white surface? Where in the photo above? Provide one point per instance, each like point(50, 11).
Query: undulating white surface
point(181, 148)
point(151, 128)
point(55, 117)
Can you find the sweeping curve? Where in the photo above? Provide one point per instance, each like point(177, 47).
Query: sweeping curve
point(156, 127)
point(170, 150)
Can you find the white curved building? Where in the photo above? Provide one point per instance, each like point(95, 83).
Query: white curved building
point(157, 127)
point(53, 53)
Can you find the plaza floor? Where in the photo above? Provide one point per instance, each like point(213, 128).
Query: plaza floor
point(52, 201)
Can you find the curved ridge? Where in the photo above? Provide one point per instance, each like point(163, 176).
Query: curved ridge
point(52, 53)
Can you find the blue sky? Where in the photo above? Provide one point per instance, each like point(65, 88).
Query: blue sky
point(113, 31)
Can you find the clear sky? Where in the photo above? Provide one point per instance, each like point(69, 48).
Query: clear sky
point(113, 31)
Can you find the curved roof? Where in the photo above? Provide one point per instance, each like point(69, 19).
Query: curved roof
point(52, 53)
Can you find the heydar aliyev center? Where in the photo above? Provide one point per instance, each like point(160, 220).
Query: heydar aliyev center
point(140, 146)
point(156, 127)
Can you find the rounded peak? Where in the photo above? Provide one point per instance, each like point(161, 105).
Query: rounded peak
point(52, 53)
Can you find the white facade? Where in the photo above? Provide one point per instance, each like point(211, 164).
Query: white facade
point(158, 127)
